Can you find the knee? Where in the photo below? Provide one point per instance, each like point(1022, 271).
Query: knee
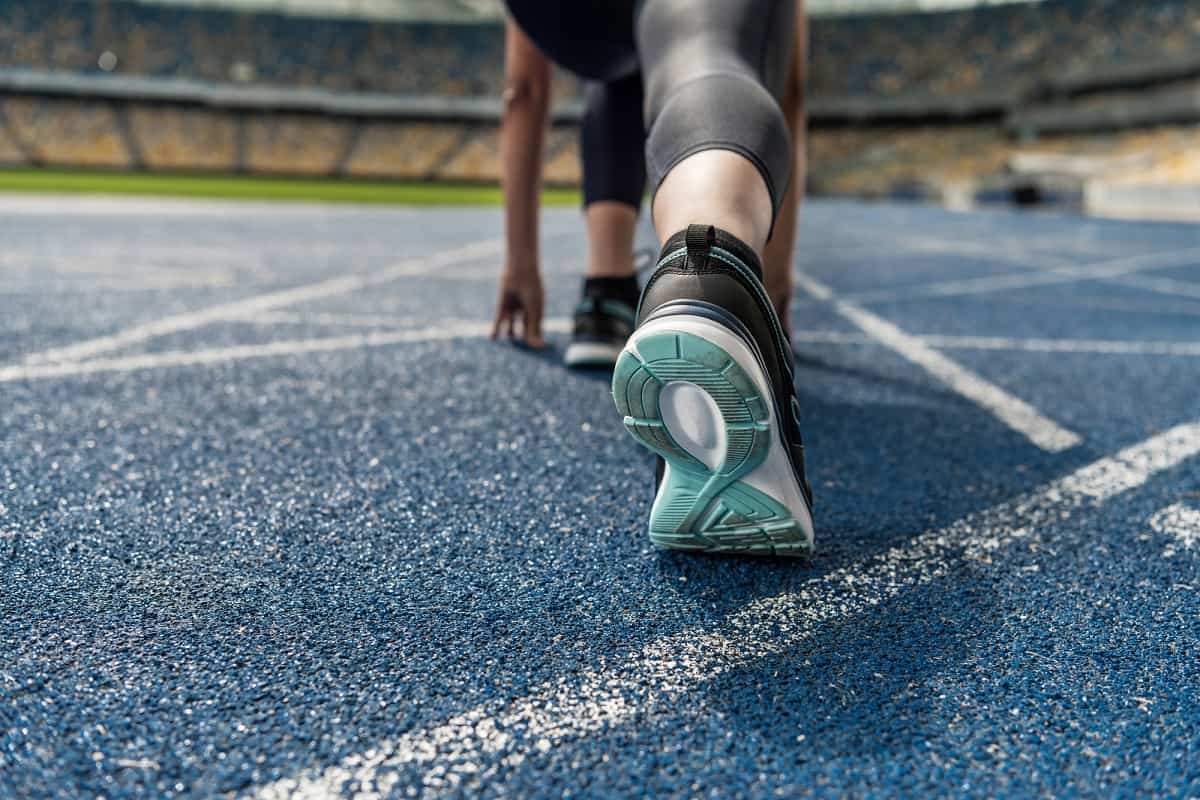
point(524, 92)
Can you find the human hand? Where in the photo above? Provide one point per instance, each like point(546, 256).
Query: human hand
point(520, 296)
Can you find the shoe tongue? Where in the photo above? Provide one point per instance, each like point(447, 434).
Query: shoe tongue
point(698, 239)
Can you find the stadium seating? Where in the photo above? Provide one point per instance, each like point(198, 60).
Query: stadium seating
point(1020, 49)
point(295, 143)
point(83, 133)
point(476, 159)
point(11, 155)
point(878, 162)
point(562, 164)
point(982, 49)
point(409, 150)
point(170, 137)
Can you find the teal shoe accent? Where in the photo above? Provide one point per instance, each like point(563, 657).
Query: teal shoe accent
point(702, 508)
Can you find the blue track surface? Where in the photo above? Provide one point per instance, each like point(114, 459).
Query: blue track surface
point(318, 549)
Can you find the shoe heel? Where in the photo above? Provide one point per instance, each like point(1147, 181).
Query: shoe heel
point(685, 397)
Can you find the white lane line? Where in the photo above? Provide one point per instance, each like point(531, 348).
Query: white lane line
point(1034, 345)
point(1182, 523)
point(550, 324)
point(1028, 345)
point(1101, 270)
point(477, 745)
point(1012, 411)
point(448, 329)
point(808, 336)
point(147, 283)
point(114, 205)
point(1089, 303)
point(1168, 286)
point(250, 306)
point(363, 320)
point(462, 329)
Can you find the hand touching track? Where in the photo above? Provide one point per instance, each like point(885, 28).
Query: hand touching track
point(521, 296)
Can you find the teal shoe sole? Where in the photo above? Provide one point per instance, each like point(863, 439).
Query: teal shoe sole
point(700, 507)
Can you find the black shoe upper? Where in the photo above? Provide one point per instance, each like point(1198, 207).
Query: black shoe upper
point(705, 266)
point(606, 313)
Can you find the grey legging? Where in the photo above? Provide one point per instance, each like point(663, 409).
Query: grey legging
point(713, 71)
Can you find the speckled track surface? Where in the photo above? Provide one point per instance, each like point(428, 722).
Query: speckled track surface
point(277, 520)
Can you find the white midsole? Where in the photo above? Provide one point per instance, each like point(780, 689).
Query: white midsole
point(592, 353)
point(774, 476)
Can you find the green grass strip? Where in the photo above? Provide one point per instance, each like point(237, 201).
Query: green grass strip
point(247, 187)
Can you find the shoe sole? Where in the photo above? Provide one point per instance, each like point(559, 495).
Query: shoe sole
point(692, 391)
point(591, 354)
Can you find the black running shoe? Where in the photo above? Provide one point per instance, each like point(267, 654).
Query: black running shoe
point(706, 382)
point(604, 319)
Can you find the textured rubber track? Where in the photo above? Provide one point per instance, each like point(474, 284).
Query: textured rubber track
point(699, 507)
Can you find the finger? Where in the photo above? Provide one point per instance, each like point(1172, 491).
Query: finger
point(532, 324)
point(496, 322)
point(512, 323)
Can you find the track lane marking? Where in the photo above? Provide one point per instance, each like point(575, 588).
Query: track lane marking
point(149, 283)
point(1012, 411)
point(375, 320)
point(453, 754)
point(1099, 270)
point(355, 320)
point(466, 329)
point(250, 306)
point(1036, 345)
point(449, 329)
point(1167, 286)
point(1179, 521)
point(1028, 345)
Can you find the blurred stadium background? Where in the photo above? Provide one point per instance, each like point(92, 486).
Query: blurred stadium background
point(1089, 104)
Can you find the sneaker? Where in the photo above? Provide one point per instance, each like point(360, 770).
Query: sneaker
point(706, 382)
point(604, 319)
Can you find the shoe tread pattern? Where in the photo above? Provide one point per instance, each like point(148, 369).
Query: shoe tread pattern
point(699, 508)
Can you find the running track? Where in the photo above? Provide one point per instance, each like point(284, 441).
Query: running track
point(276, 520)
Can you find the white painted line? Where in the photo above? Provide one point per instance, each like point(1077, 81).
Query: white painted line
point(551, 325)
point(1167, 286)
point(363, 320)
point(448, 329)
point(1028, 345)
point(1095, 346)
point(1139, 307)
point(1044, 254)
point(1012, 411)
point(221, 355)
point(1180, 522)
point(250, 306)
point(465, 329)
point(115, 205)
point(146, 283)
point(475, 746)
point(811, 336)
point(1021, 280)
point(988, 249)
point(1180, 306)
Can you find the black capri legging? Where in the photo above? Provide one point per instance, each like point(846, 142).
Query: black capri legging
point(613, 142)
point(713, 72)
